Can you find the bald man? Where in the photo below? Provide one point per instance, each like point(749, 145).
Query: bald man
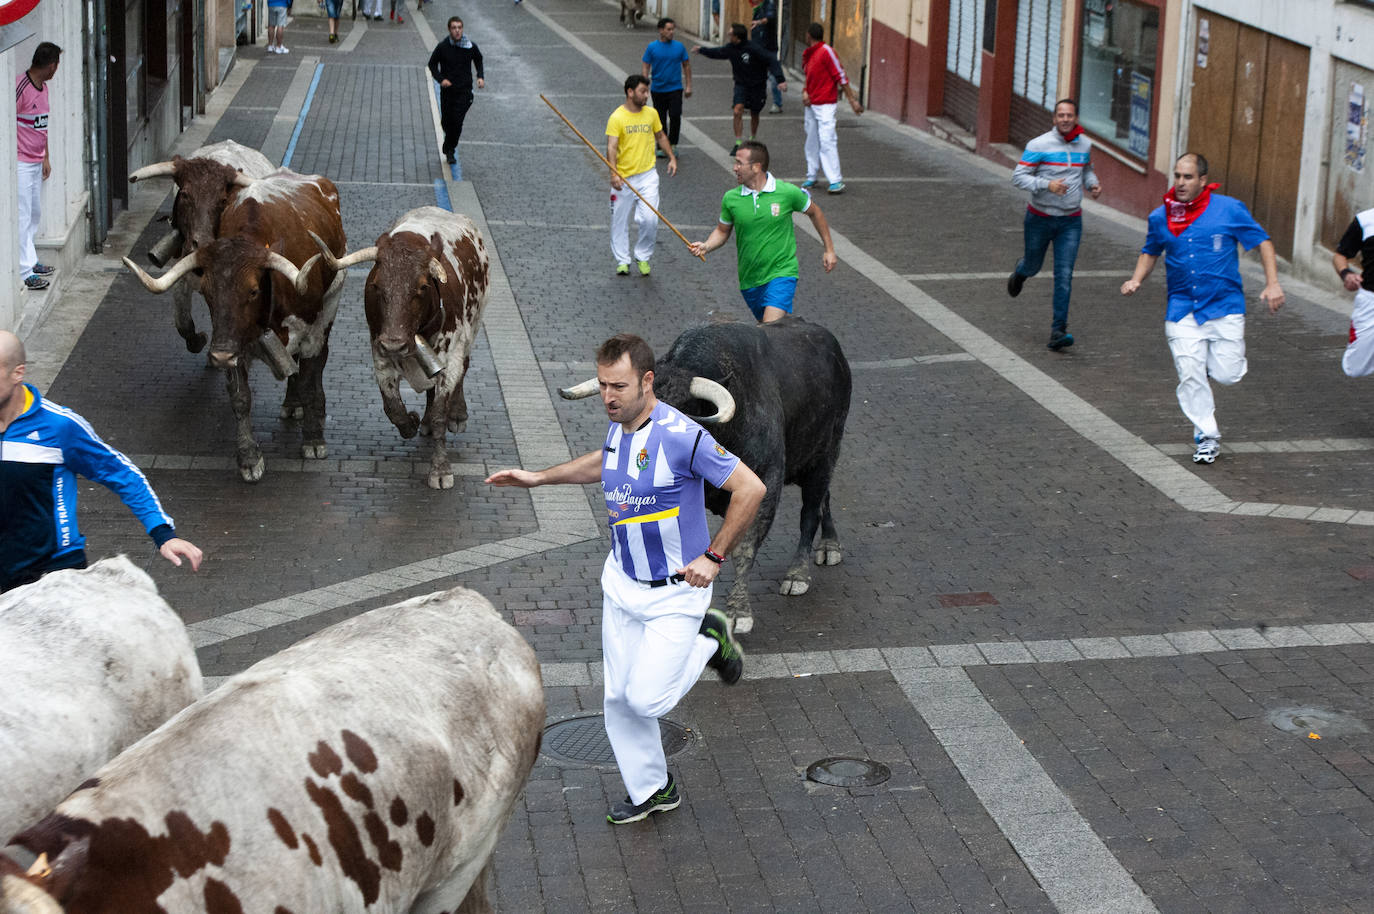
point(42, 448)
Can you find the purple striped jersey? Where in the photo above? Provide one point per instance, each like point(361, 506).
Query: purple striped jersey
point(652, 481)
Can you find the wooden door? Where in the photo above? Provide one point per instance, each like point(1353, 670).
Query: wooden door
point(1281, 136)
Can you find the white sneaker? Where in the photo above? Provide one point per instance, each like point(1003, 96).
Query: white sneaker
point(283, 50)
point(1207, 451)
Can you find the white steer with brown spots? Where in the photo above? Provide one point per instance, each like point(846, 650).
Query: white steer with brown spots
point(423, 301)
point(90, 661)
point(369, 768)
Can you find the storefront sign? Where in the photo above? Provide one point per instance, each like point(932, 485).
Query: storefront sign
point(14, 10)
point(1355, 120)
point(1139, 143)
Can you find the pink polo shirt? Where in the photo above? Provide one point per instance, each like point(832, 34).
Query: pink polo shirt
point(31, 105)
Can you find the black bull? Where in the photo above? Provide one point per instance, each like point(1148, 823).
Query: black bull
point(791, 385)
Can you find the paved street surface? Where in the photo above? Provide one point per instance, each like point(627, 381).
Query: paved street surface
point(1069, 646)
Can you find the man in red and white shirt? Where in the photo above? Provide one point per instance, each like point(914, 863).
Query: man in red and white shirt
point(31, 105)
point(824, 80)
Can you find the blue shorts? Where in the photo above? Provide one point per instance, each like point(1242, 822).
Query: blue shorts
point(333, 8)
point(776, 293)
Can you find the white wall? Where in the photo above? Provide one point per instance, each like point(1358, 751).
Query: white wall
point(9, 200)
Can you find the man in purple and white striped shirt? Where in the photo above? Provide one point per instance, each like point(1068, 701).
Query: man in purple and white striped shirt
point(31, 108)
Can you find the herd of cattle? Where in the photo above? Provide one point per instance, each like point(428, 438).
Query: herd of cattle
point(371, 766)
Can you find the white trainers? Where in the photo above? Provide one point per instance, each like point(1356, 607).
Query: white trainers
point(1207, 450)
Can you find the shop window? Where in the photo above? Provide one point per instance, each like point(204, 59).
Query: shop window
point(1117, 77)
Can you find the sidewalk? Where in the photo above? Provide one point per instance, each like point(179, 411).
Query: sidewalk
point(1065, 642)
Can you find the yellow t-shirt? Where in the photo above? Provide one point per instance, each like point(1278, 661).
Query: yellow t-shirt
point(636, 132)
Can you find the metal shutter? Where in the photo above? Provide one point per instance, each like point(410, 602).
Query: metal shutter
point(963, 56)
point(1036, 76)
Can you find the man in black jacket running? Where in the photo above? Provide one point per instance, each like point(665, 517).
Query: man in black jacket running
point(451, 65)
point(750, 64)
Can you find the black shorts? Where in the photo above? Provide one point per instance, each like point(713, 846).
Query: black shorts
point(751, 97)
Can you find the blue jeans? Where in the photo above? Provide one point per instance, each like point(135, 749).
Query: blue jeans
point(1065, 232)
point(773, 87)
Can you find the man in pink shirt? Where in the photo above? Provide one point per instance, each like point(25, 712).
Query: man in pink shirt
point(31, 106)
point(824, 80)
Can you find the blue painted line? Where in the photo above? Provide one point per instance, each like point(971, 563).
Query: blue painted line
point(441, 195)
point(300, 121)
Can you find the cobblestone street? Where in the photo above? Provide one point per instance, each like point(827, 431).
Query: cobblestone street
point(1068, 644)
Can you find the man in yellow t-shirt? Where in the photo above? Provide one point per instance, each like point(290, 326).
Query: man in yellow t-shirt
point(632, 131)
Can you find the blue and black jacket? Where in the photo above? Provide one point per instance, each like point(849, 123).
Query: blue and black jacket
point(41, 452)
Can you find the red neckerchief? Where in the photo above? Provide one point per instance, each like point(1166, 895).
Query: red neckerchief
point(1181, 215)
point(1073, 134)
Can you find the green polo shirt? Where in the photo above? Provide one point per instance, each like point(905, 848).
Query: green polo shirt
point(764, 240)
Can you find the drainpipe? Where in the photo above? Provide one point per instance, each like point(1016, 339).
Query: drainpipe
point(97, 122)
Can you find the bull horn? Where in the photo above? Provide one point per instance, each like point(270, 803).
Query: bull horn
point(162, 253)
point(243, 180)
point(165, 281)
point(339, 264)
point(715, 394)
point(158, 170)
point(587, 388)
point(299, 277)
point(436, 269)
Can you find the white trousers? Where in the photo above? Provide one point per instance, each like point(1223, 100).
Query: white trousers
point(1215, 349)
point(652, 654)
point(822, 147)
point(1358, 360)
point(30, 211)
point(372, 7)
point(623, 203)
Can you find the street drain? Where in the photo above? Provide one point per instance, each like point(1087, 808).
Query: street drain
point(582, 740)
point(1321, 721)
point(848, 772)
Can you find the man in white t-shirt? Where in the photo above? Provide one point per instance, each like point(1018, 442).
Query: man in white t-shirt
point(31, 109)
point(657, 632)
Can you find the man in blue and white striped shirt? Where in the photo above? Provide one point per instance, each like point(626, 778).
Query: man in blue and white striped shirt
point(656, 635)
point(1055, 168)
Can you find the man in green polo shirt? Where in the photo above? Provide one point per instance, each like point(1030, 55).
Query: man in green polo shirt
point(761, 210)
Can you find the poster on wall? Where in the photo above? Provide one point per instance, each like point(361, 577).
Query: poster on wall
point(1355, 128)
point(1203, 43)
point(1139, 143)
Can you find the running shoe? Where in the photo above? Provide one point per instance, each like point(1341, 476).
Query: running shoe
point(662, 800)
point(728, 660)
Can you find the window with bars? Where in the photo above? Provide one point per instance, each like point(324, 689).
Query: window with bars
point(1037, 51)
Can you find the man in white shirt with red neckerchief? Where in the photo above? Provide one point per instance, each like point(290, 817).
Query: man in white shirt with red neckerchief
point(31, 108)
point(657, 635)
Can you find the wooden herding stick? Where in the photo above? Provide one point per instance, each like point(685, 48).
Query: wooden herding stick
point(661, 217)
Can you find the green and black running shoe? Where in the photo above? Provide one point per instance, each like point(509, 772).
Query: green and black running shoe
point(662, 800)
point(728, 660)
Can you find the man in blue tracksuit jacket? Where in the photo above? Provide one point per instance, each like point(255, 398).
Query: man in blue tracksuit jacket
point(42, 448)
point(1056, 169)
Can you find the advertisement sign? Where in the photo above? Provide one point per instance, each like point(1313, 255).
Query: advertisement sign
point(14, 10)
point(1355, 120)
point(1139, 143)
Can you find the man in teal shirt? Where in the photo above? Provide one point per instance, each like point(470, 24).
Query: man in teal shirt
point(761, 209)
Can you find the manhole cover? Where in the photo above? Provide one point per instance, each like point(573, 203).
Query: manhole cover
point(1321, 721)
point(583, 740)
point(848, 772)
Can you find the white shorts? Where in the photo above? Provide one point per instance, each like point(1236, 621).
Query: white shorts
point(1358, 361)
point(276, 17)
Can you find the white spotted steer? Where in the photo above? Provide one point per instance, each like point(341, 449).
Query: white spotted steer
point(91, 660)
point(424, 300)
point(270, 299)
point(368, 769)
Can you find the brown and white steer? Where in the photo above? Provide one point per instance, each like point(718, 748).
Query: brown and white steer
point(260, 302)
point(90, 661)
point(430, 280)
point(630, 11)
point(368, 768)
point(205, 183)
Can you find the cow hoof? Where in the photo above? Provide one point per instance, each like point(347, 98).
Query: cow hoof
point(440, 480)
point(292, 412)
point(744, 625)
point(196, 342)
point(829, 553)
point(314, 450)
point(252, 472)
point(409, 427)
point(458, 427)
point(794, 587)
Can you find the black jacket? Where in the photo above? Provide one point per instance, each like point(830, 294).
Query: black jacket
point(455, 62)
point(750, 62)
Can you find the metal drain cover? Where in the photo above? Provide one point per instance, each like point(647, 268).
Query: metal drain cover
point(583, 740)
point(1321, 721)
point(848, 772)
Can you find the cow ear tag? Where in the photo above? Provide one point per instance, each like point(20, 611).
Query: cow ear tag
point(40, 868)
